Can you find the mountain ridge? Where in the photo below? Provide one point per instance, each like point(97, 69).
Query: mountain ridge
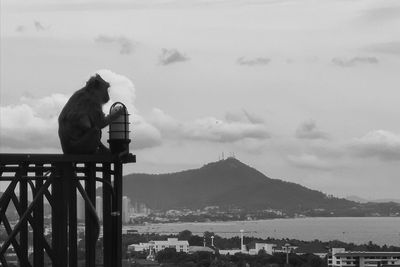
point(225, 183)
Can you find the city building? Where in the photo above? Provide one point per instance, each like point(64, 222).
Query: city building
point(229, 251)
point(140, 209)
point(268, 248)
point(80, 207)
point(140, 247)
point(179, 245)
point(126, 204)
point(99, 207)
point(156, 246)
point(342, 258)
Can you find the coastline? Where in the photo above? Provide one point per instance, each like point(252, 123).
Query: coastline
point(359, 230)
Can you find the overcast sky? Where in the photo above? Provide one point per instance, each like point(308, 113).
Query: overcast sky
point(303, 90)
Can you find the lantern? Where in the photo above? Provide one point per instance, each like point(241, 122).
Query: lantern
point(119, 130)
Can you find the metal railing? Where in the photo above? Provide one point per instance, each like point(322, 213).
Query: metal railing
point(36, 181)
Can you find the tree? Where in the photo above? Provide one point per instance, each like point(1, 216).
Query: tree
point(185, 235)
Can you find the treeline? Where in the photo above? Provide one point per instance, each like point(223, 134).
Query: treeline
point(314, 246)
point(170, 258)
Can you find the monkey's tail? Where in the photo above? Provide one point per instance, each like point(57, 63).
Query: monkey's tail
point(92, 209)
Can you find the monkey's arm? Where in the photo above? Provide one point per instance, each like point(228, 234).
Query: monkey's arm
point(112, 117)
point(84, 122)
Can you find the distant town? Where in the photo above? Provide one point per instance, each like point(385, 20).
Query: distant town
point(136, 213)
point(212, 250)
point(139, 213)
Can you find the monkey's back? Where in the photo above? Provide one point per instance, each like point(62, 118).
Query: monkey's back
point(70, 127)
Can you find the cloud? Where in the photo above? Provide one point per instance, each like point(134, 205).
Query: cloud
point(122, 89)
point(308, 161)
point(309, 130)
point(168, 125)
point(381, 14)
point(143, 134)
point(381, 144)
point(20, 28)
point(33, 123)
point(126, 46)
point(208, 129)
point(243, 116)
point(386, 48)
point(259, 61)
point(169, 56)
point(355, 61)
point(212, 129)
point(39, 27)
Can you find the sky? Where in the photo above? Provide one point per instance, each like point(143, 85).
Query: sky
point(305, 91)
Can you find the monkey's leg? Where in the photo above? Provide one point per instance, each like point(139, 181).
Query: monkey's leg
point(88, 143)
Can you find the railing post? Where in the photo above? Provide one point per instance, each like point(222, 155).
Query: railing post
point(118, 219)
point(107, 219)
point(90, 226)
point(72, 221)
point(23, 205)
point(38, 228)
point(59, 217)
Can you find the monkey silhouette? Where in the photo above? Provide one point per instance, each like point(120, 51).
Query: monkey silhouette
point(82, 118)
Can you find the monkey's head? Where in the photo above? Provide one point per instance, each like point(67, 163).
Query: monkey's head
point(98, 88)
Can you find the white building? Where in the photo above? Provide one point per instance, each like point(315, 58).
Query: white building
point(341, 258)
point(178, 245)
point(140, 247)
point(269, 248)
point(99, 207)
point(156, 246)
point(229, 251)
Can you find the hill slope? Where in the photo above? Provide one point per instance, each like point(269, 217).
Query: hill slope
point(225, 183)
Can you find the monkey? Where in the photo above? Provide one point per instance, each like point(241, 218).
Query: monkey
point(82, 118)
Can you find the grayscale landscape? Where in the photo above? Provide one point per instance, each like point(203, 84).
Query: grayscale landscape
point(258, 121)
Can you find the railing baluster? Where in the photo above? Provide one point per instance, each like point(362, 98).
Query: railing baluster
point(38, 228)
point(16, 246)
point(59, 215)
point(90, 226)
point(73, 254)
point(107, 219)
point(118, 219)
point(23, 203)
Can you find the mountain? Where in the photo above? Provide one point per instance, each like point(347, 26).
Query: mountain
point(357, 199)
point(380, 200)
point(386, 200)
point(226, 183)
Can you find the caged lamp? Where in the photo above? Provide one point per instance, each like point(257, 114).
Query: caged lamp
point(119, 131)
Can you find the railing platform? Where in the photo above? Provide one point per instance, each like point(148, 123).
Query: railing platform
point(37, 180)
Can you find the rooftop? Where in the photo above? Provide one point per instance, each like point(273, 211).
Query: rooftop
point(367, 253)
point(170, 241)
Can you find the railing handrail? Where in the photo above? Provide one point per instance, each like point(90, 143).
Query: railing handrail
point(17, 158)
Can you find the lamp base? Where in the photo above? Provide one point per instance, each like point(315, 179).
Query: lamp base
point(118, 146)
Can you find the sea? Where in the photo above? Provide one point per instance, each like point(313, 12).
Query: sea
point(359, 230)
